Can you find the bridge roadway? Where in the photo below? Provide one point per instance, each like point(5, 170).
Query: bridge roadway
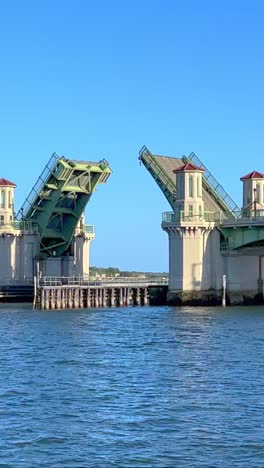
point(243, 230)
point(78, 292)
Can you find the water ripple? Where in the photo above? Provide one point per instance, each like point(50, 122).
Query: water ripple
point(132, 387)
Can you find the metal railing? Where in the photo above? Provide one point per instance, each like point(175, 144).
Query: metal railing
point(214, 187)
point(245, 217)
point(181, 216)
point(6, 281)
point(86, 229)
point(118, 281)
point(151, 161)
point(89, 228)
point(34, 193)
point(218, 217)
point(24, 226)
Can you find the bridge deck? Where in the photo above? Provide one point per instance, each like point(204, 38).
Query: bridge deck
point(57, 201)
point(124, 281)
point(161, 168)
point(169, 164)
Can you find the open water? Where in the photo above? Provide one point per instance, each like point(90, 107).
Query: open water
point(132, 387)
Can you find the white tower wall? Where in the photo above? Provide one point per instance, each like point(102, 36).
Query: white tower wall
point(189, 192)
point(82, 253)
point(253, 192)
point(195, 262)
point(6, 204)
point(17, 252)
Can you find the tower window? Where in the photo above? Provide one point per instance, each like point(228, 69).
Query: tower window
point(199, 187)
point(258, 193)
point(180, 187)
point(9, 199)
point(2, 199)
point(191, 186)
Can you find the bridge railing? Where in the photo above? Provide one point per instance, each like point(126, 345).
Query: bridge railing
point(43, 178)
point(146, 155)
point(111, 282)
point(7, 281)
point(86, 229)
point(24, 226)
point(246, 216)
point(218, 217)
point(182, 216)
point(166, 184)
point(214, 187)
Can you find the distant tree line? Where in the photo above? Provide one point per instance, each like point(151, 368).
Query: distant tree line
point(112, 271)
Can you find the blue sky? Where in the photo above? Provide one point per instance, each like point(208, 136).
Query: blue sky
point(100, 79)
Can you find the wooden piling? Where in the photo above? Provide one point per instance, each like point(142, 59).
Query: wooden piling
point(90, 295)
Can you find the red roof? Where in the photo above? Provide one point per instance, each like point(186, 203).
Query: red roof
point(188, 167)
point(6, 183)
point(253, 175)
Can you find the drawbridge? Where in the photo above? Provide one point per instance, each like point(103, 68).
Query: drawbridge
point(239, 229)
point(58, 199)
point(161, 168)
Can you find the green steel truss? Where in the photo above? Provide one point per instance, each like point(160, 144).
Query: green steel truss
point(165, 183)
point(236, 238)
point(243, 234)
point(58, 199)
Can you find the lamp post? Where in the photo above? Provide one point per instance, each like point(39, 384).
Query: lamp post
point(255, 202)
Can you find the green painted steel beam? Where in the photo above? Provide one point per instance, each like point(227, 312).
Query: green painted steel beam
point(234, 238)
point(58, 200)
point(165, 183)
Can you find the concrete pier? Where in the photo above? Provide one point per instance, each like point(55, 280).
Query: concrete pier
point(210, 236)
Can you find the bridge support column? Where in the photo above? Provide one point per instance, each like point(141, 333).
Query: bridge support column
point(260, 279)
point(42, 301)
point(52, 299)
point(47, 301)
point(70, 299)
point(81, 298)
point(88, 299)
point(145, 296)
point(112, 297)
point(103, 297)
point(58, 299)
point(96, 297)
point(121, 297)
point(63, 299)
point(138, 297)
point(193, 264)
point(126, 296)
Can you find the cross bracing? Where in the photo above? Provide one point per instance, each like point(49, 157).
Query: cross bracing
point(58, 199)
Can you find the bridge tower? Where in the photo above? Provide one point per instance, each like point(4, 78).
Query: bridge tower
point(6, 201)
point(191, 242)
point(210, 236)
point(253, 192)
point(189, 191)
